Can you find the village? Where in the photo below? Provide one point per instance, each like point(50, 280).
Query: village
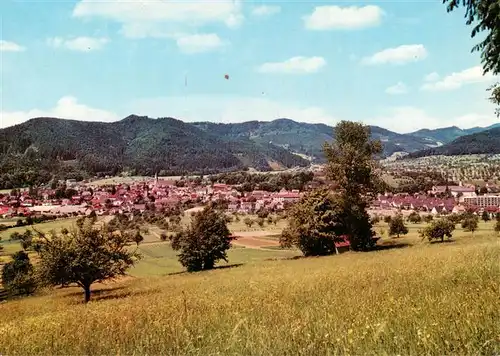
point(83, 198)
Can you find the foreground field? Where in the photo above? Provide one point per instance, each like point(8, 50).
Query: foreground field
point(427, 299)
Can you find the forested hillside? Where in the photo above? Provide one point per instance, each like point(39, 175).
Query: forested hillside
point(481, 142)
point(30, 153)
point(307, 138)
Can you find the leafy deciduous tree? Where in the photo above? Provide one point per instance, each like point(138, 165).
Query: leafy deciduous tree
point(438, 230)
point(204, 242)
point(470, 224)
point(314, 224)
point(397, 226)
point(352, 167)
point(18, 275)
point(84, 256)
point(484, 16)
point(415, 218)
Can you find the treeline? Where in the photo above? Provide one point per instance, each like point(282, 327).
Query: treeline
point(266, 182)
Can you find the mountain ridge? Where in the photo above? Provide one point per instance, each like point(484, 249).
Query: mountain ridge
point(145, 146)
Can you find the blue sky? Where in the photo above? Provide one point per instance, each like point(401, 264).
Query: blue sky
point(401, 65)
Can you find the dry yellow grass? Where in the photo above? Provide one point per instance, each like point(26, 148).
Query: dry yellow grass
point(428, 299)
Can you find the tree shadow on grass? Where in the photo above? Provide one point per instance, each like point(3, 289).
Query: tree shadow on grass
point(102, 291)
point(441, 242)
point(214, 269)
point(391, 246)
point(111, 294)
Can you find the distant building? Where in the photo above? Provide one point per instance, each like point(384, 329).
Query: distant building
point(483, 201)
point(455, 190)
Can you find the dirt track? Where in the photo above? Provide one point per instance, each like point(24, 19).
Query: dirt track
point(254, 242)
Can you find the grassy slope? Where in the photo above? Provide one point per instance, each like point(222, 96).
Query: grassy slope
point(424, 299)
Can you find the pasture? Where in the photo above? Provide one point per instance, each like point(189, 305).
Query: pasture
point(423, 298)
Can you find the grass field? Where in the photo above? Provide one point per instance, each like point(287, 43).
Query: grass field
point(432, 299)
point(44, 227)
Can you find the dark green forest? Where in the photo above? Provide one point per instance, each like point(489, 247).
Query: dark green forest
point(42, 149)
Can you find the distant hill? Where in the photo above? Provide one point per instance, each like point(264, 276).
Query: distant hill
point(140, 144)
point(487, 142)
point(45, 148)
point(445, 135)
point(306, 138)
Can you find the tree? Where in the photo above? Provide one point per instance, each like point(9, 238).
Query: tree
point(260, 222)
point(484, 15)
point(314, 224)
point(470, 224)
point(428, 218)
point(438, 229)
point(138, 238)
point(18, 275)
point(497, 216)
point(397, 226)
point(485, 216)
point(415, 218)
point(351, 165)
point(248, 222)
point(204, 242)
point(497, 226)
point(84, 256)
point(387, 219)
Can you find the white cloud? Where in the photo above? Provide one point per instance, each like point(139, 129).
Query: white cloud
point(6, 46)
point(398, 55)
point(193, 13)
point(67, 107)
point(81, 44)
point(431, 77)
point(405, 119)
point(199, 43)
point(397, 89)
point(294, 65)
point(266, 10)
point(228, 108)
point(331, 17)
point(457, 80)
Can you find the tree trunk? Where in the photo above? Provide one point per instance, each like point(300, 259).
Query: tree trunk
point(209, 264)
point(86, 290)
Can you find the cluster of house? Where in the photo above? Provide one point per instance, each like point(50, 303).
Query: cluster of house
point(439, 200)
point(125, 198)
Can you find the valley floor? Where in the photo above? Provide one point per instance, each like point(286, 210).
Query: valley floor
point(421, 299)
